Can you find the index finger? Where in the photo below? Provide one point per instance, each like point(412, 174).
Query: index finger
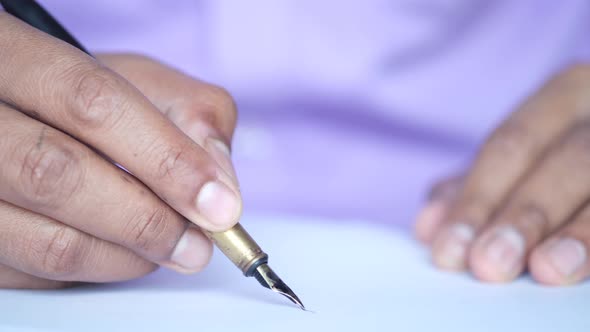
point(70, 91)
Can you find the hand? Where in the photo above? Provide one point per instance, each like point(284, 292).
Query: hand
point(67, 213)
point(525, 201)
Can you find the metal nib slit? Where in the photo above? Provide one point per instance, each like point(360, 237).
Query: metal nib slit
point(267, 278)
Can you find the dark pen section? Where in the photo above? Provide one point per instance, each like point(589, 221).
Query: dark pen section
point(31, 12)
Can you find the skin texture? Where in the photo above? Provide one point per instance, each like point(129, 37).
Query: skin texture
point(68, 214)
point(523, 203)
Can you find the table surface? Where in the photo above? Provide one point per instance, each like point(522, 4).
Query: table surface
point(353, 275)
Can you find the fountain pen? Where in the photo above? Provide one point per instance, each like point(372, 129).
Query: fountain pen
point(235, 243)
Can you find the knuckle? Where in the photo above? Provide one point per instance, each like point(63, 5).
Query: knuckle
point(222, 97)
point(97, 100)
point(173, 163)
point(472, 205)
point(60, 252)
point(147, 231)
point(533, 218)
point(222, 103)
point(50, 173)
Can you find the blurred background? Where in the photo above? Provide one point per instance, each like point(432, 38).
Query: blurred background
point(349, 109)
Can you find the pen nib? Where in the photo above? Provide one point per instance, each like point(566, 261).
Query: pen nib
point(267, 278)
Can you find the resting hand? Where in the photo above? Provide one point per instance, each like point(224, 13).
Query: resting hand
point(524, 203)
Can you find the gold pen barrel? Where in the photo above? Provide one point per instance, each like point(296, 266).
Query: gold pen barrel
point(240, 248)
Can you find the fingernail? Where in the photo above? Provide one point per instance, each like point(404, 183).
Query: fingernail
point(221, 154)
point(219, 205)
point(505, 249)
point(567, 256)
point(451, 247)
point(429, 219)
point(192, 252)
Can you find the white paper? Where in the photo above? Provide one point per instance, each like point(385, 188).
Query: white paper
point(354, 276)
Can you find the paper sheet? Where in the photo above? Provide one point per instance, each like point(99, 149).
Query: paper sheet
point(354, 276)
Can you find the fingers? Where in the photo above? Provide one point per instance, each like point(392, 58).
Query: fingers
point(54, 175)
point(41, 247)
point(562, 259)
point(204, 112)
point(181, 97)
point(11, 278)
point(503, 161)
point(439, 201)
point(70, 91)
point(544, 201)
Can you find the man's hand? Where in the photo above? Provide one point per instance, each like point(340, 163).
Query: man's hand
point(67, 213)
point(525, 201)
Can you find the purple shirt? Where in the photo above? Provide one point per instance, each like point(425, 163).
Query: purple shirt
point(347, 106)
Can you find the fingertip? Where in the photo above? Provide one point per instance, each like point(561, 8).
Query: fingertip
point(451, 245)
point(497, 256)
point(484, 270)
point(559, 262)
point(429, 220)
point(542, 271)
point(192, 253)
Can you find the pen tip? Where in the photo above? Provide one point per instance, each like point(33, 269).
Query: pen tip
point(269, 279)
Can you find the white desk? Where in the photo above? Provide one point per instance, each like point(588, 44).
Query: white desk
point(364, 278)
